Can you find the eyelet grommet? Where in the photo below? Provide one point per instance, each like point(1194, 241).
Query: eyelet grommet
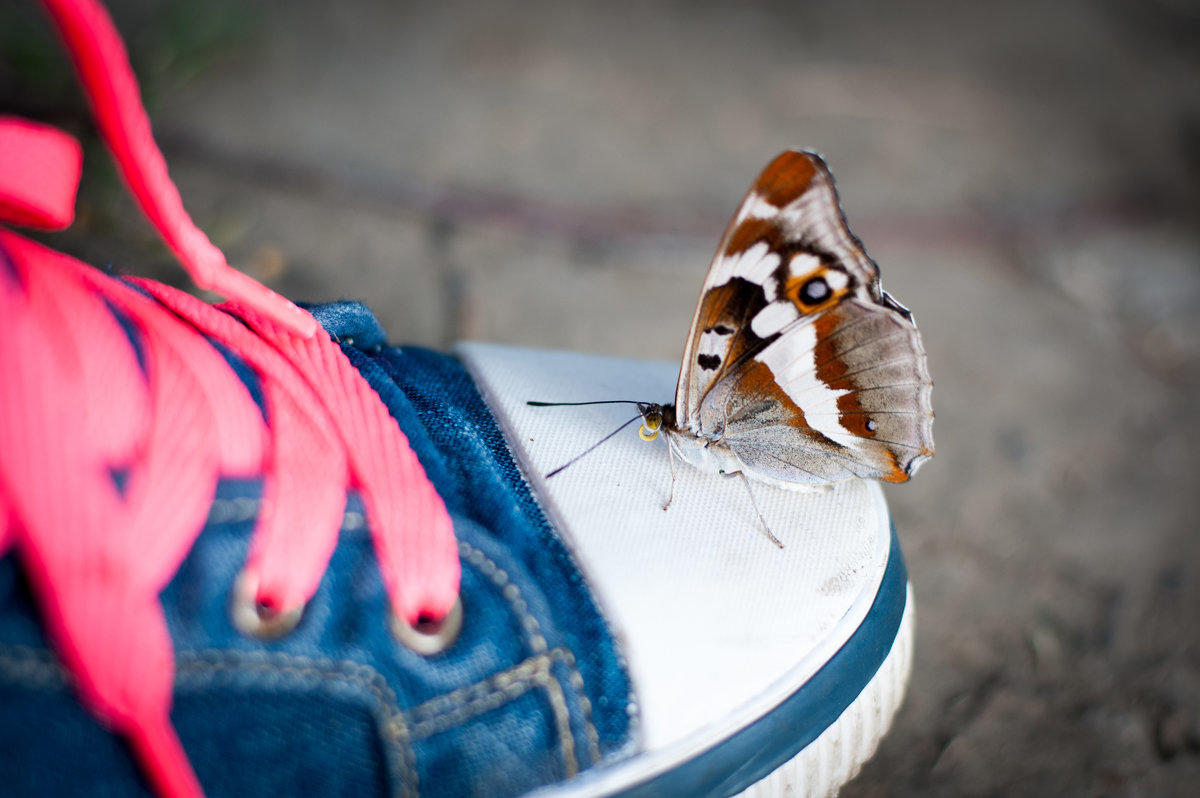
point(428, 638)
point(253, 619)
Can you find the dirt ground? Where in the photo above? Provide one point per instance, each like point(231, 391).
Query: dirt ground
point(1026, 174)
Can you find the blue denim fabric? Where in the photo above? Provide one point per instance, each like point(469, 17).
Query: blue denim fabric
point(533, 690)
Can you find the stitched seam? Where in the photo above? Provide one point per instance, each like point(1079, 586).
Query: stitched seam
point(233, 511)
point(445, 712)
point(512, 594)
point(562, 719)
point(476, 706)
point(31, 667)
point(242, 509)
point(585, 705)
point(398, 731)
point(39, 669)
point(498, 683)
point(502, 440)
point(533, 630)
point(199, 668)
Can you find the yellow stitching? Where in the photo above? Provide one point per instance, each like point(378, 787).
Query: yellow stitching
point(445, 712)
point(497, 683)
point(40, 668)
point(562, 719)
point(512, 594)
point(232, 511)
point(363, 675)
point(397, 729)
point(585, 704)
point(476, 706)
point(34, 667)
point(448, 702)
point(390, 719)
point(536, 669)
point(241, 509)
point(534, 630)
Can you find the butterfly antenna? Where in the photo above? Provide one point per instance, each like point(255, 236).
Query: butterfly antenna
point(591, 448)
point(576, 404)
point(766, 526)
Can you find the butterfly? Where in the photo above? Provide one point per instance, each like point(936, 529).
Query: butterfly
point(799, 370)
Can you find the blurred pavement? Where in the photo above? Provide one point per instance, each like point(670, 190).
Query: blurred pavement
point(1026, 174)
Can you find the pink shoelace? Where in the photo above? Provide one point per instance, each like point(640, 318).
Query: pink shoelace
point(79, 403)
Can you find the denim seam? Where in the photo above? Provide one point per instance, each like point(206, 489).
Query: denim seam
point(243, 509)
point(447, 711)
point(199, 668)
point(503, 683)
point(512, 594)
point(233, 511)
point(352, 520)
point(585, 704)
point(521, 467)
point(41, 669)
point(31, 667)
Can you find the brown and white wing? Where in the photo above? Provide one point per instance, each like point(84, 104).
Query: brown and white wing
point(788, 230)
point(844, 393)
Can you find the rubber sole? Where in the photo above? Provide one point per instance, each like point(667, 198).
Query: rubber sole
point(839, 753)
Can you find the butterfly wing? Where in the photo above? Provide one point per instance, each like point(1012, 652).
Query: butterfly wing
point(796, 359)
point(788, 228)
point(844, 393)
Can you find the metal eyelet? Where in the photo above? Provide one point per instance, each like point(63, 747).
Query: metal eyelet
point(255, 620)
point(428, 637)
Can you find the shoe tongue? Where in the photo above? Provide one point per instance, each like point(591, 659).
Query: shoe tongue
point(350, 323)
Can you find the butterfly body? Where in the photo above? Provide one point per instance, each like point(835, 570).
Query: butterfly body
point(713, 456)
point(799, 369)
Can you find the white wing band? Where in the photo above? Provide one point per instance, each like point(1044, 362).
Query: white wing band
point(794, 365)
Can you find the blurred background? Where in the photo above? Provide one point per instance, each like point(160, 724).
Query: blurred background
point(1026, 174)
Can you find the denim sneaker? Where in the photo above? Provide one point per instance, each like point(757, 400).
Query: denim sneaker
point(253, 549)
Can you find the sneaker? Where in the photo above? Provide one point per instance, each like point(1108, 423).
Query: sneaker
point(253, 549)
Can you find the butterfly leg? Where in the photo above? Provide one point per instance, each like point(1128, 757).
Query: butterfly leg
point(766, 526)
point(671, 463)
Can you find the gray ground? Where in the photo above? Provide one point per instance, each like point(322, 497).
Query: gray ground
point(553, 174)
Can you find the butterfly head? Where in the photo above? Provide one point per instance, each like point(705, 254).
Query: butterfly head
point(654, 416)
